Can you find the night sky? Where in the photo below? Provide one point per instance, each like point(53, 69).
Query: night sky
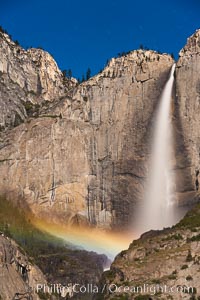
point(81, 34)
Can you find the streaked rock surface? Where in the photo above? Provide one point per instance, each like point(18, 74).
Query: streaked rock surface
point(79, 153)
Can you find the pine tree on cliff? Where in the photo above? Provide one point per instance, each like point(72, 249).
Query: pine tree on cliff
point(88, 74)
point(69, 73)
point(83, 78)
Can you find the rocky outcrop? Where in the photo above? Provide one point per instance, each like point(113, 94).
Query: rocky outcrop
point(28, 81)
point(187, 110)
point(159, 265)
point(83, 159)
point(18, 275)
point(21, 279)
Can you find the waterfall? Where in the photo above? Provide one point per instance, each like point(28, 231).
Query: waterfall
point(159, 207)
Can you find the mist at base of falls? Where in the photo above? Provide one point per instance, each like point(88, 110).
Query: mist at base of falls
point(159, 208)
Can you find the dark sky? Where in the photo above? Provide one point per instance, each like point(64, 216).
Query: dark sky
point(81, 34)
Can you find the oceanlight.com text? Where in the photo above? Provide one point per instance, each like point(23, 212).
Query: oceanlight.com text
point(112, 288)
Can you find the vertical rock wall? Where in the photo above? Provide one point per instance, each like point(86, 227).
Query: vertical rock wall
point(187, 112)
point(84, 159)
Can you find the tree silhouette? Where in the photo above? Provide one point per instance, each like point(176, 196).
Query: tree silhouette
point(67, 73)
point(88, 74)
point(83, 78)
point(64, 72)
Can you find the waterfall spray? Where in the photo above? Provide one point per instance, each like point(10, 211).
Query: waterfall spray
point(158, 209)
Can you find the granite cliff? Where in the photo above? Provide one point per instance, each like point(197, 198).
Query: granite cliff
point(29, 79)
point(80, 157)
point(78, 153)
point(186, 119)
point(59, 266)
point(18, 275)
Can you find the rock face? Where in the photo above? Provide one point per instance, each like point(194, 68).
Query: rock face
point(187, 110)
point(84, 157)
point(80, 154)
point(122, 100)
point(17, 274)
point(159, 265)
point(28, 80)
